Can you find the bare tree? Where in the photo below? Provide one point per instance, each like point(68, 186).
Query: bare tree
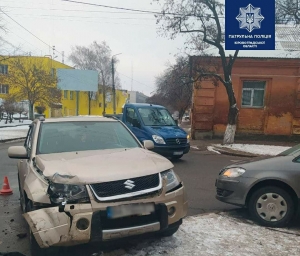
point(31, 80)
point(174, 87)
point(200, 19)
point(19, 108)
point(96, 57)
point(287, 11)
point(1, 110)
point(9, 106)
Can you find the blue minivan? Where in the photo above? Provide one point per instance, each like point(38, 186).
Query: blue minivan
point(154, 122)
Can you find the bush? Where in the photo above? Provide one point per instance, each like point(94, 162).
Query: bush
point(40, 109)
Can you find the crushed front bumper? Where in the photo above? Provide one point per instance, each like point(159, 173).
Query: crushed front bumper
point(84, 223)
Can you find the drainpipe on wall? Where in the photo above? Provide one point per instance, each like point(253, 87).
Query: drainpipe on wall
point(77, 103)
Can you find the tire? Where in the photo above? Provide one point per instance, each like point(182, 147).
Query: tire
point(177, 157)
point(169, 231)
point(271, 207)
point(23, 200)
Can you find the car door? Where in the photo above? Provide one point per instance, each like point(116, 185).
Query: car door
point(24, 163)
point(134, 124)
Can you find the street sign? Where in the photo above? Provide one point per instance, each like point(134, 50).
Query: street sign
point(249, 25)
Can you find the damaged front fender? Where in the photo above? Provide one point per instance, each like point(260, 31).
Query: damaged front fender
point(53, 228)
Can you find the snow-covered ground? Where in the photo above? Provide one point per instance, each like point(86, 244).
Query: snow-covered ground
point(13, 130)
point(218, 234)
point(254, 149)
point(11, 134)
point(14, 123)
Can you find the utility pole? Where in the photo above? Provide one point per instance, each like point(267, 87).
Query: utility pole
point(113, 82)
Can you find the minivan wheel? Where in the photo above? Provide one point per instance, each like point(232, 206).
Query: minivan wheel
point(271, 206)
point(177, 157)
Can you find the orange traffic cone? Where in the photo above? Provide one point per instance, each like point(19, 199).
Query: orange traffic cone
point(6, 188)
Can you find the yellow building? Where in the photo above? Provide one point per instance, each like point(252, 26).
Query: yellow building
point(72, 102)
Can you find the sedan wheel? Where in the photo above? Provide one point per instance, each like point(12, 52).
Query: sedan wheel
point(271, 206)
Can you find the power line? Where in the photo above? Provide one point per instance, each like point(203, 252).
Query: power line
point(114, 7)
point(141, 11)
point(136, 80)
point(91, 21)
point(72, 16)
point(27, 30)
point(66, 10)
point(24, 40)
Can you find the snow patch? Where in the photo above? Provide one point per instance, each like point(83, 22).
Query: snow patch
point(15, 123)
point(215, 234)
point(210, 148)
point(256, 149)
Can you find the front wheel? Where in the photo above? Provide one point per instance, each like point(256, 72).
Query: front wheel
point(271, 206)
point(169, 231)
point(177, 157)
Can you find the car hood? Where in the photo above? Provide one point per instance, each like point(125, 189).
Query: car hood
point(275, 163)
point(167, 131)
point(88, 167)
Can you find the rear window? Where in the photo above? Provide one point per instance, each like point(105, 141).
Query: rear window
point(82, 136)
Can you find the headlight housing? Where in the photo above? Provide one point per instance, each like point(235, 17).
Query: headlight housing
point(188, 138)
point(172, 181)
point(158, 139)
point(233, 172)
point(67, 193)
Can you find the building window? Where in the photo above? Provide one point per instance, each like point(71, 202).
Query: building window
point(71, 95)
point(253, 93)
point(4, 69)
point(66, 94)
point(3, 89)
point(100, 105)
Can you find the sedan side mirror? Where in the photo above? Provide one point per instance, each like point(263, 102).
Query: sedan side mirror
point(18, 152)
point(148, 144)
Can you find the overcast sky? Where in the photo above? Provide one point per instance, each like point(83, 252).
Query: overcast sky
point(65, 24)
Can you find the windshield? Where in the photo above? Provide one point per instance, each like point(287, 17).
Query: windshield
point(156, 116)
point(291, 151)
point(81, 136)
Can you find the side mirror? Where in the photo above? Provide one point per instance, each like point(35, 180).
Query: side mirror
point(148, 144)
point(18, 152)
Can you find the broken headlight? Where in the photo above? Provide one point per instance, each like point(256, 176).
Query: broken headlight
point(172, 181)
point(67, 193)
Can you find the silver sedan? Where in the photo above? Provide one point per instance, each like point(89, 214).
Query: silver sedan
point(269, 187)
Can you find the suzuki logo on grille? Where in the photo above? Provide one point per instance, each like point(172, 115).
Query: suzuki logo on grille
point(177, 141)
point(129, 184)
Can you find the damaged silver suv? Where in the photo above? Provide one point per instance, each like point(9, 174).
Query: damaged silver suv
point(88, 179)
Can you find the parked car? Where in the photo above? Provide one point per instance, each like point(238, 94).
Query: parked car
point(89, 179)
point(269, 187)
point(154, 122)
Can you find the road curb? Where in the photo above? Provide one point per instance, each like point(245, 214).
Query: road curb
point(231, 152)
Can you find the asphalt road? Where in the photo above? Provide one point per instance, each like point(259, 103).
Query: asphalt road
point(198, 170)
